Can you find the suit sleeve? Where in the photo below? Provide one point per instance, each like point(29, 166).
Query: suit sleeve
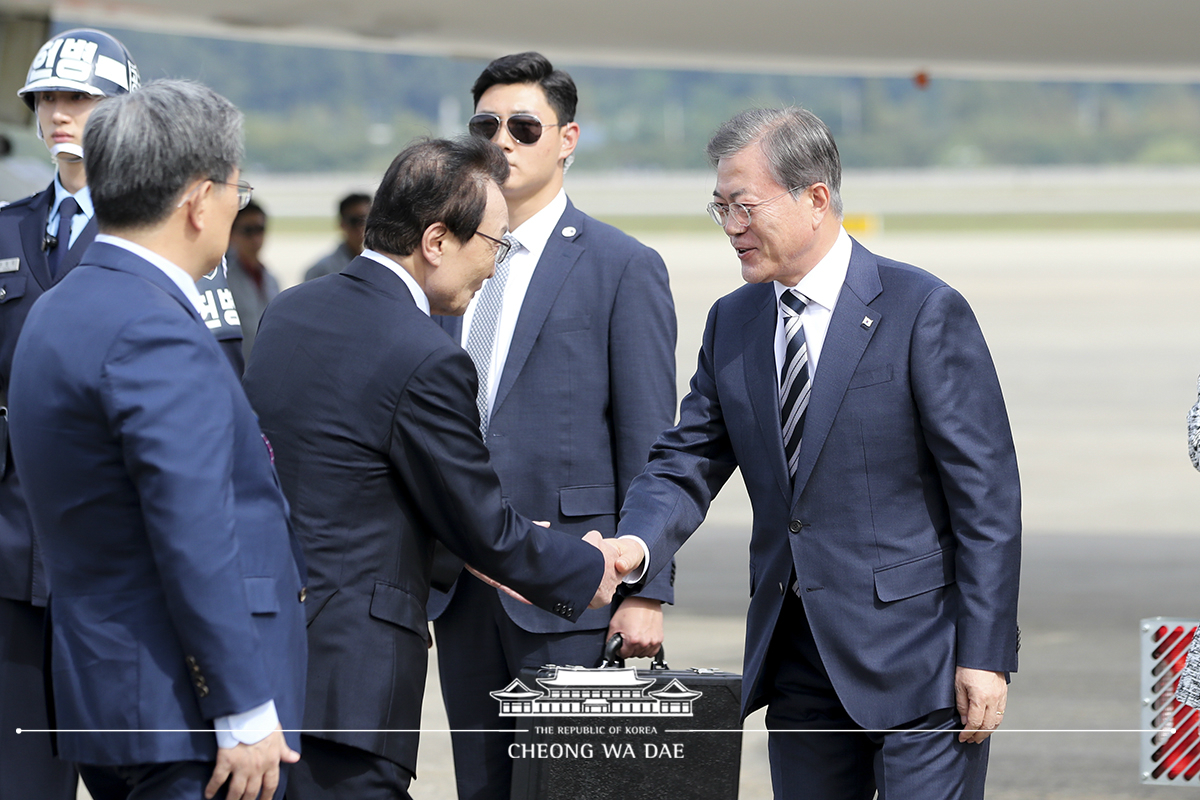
point(173, 414)
point(642, 336)
point(966, 428)
point(442, 460)
point(688, 466)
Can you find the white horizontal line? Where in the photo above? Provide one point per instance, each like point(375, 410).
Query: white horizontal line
point(1166, 731)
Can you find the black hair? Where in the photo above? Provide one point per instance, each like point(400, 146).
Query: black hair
point(531, 68)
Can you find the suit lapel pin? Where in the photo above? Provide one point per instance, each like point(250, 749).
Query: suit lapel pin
point(867, 323)
point(569, 231)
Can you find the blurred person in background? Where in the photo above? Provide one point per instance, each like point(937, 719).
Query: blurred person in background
point(249, 281)
point(352, 219)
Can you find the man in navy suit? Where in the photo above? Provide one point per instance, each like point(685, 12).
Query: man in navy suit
point(577, 379)
point(177, 630)
point(62, 87)
point(371, 409)
point(858, 398)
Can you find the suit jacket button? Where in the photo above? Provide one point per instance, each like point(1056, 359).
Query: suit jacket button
point(795, 525)
point(782, 588)
point(3, 293)
point(202, 690)
point(303, 593)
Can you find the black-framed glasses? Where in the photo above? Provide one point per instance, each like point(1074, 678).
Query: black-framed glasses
point(740, 212)
point(502, 245)
point(524, 128)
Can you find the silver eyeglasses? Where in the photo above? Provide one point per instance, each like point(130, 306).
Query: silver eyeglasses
point(740, 212)
point(244, 189)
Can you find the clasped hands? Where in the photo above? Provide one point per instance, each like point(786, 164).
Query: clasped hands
point(621, 557)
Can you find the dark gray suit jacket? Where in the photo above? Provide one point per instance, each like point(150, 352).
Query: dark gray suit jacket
point(370, 407)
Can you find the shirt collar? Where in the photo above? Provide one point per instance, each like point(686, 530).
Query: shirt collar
point(823, 283)
point(414, 288)
point(534, 232)
point(83, 197)
point(173, 271)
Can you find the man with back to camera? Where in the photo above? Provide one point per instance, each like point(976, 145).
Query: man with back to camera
point(576, 359)
point(176, 606)
point(370, 407)
point(352, 219)
point(41, 239)
point(858, 398)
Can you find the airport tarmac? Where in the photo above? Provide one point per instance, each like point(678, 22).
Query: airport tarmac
point(1096, 340)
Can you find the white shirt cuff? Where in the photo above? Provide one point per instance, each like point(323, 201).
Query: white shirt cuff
point(248, 727)
point(640, 570)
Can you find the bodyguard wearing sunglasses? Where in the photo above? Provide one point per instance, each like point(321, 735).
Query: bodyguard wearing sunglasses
point(574, 343)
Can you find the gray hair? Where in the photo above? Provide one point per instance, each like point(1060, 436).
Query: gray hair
point(142, 149)
point(799, 148)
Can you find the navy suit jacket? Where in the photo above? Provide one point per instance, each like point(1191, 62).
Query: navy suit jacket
point(371, 409)
point(588, 385)
point(22, 231)
point(902, 524)
point(177, 595)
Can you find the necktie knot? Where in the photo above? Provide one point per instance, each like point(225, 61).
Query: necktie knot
point(793, 302)
point(68, 208)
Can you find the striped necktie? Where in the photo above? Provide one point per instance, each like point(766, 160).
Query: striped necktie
point(794, 383)
point(481, 339)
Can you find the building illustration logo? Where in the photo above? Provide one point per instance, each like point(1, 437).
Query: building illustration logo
point(579, 691)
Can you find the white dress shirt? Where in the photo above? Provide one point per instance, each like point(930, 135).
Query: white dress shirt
point(414, 288)
point(247, 727)
point(533, 235)
point(821, 286)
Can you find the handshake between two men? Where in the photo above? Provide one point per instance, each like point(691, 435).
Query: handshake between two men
point(622, 556)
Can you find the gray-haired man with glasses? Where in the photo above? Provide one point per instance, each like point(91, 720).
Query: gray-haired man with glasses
point(857, 397)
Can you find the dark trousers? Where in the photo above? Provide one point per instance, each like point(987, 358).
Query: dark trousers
point(481, 650)
point(334, 771)
point(176, 780)
point(28, 767)
point(848, 763)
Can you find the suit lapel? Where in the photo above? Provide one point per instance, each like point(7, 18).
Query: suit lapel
point(33, 233)
point(762, 383)
point(845, 342)
point(71, 257)
point(557, 261)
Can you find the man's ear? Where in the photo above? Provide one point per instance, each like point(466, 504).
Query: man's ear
point(434, 242)
point(821, 202)
point(196, 202)
point(570, 138)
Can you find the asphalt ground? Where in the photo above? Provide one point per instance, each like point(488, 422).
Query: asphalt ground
point(1096, 340)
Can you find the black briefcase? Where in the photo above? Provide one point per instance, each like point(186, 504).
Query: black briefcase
point(612, 732)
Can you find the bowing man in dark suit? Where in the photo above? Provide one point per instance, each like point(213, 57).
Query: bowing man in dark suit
point(577, 380)
point(178, 645)
point(370, 406)
point(858, 398)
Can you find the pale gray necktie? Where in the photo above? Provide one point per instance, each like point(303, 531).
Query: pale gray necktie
point(481, 339)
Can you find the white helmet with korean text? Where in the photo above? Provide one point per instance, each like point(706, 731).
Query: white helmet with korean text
point(80, 60)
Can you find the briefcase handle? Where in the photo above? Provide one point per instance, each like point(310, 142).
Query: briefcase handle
point(612, 654)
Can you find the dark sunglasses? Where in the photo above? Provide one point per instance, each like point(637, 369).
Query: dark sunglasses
point(524, 128)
